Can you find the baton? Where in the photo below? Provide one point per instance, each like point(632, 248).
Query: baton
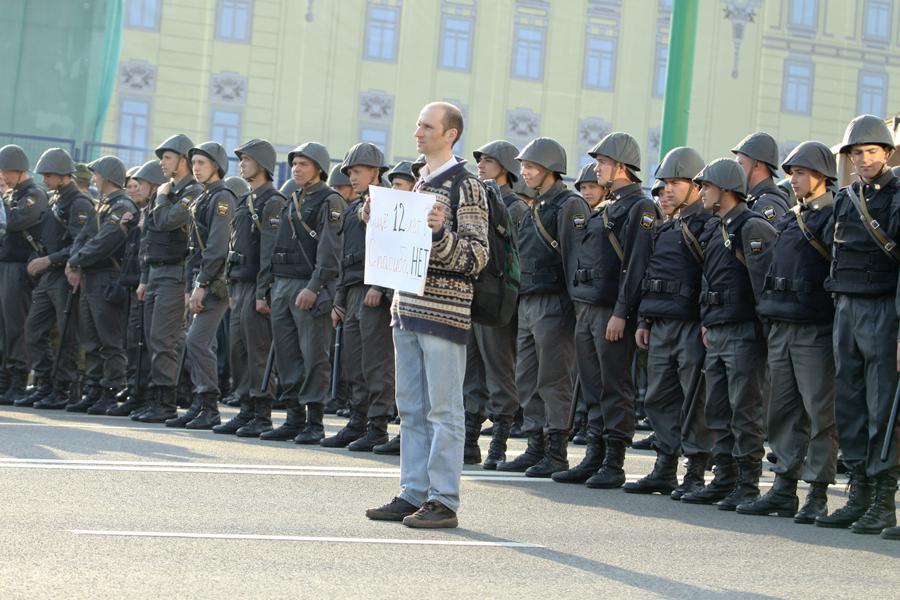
point(140, 349)
point(270, 363)
point(693, 392)
point(336, 362)
point(67, 314)
point(575, 395)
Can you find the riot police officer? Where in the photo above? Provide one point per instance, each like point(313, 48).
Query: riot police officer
point(305, 263)
point(256, 222)
point(70, 210)
point(340, 183)
point(24, 210)
point(401, 176)
point(670, 330)
point(758, 156)
point(735, 260)
point(611, 257)
point(489, 389)
point(586, 185)
point(546, 317)
point(93, 267)
point(364, 310)
point(864, 282)
point(800, 312)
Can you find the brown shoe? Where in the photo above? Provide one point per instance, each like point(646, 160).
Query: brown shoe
point(432, 515)
point(394, 510)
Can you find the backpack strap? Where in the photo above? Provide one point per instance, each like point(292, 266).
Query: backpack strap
point(808, 235)
point(611, 236)
point(873, 227)
point(692, 243)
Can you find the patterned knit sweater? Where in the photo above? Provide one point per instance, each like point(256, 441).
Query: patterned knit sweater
point(458, 253)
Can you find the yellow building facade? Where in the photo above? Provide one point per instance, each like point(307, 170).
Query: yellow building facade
point(343, 71)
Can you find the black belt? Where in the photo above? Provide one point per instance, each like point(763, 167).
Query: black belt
point(783, 284)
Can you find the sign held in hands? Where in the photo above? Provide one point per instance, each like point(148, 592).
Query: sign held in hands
point(398, 240)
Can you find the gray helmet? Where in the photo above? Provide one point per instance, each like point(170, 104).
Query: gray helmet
point(864, 129)
point(759, 146)
point(151, 172)
point(262, 152)
point(365, 154)
point(620, 147)
point(417, 165)
point(658, 186)
point(546, 152)
point(109, 168)
point(401, 169)
point(504, 153)
point(289, 187)
point(314, 152)
point(812, 155)
point(587, 174)
point(13, 158)
point(523, 190)
point(179, 144)
point(337, 178)
point(56, 161)
point(680, 163)
point(129, 174)
point(82, 173)
point(237, 185)
point(214, 152)
point(785, 186)
point(726, 174)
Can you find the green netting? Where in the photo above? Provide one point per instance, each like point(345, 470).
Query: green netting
point(58, 68)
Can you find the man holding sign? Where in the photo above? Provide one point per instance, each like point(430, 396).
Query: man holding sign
point(430, 330)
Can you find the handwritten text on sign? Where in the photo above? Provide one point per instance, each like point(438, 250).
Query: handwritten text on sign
point(398, 240)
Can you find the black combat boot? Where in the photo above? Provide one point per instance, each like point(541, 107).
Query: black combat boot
point(352, 431)
point(746, 489)
point(191, 414)
point(244, 416)
point(41, 389)
point(376, 435)
point(781, 499)
point(58, 399)
point(725, 475)
point(151, 401)
point(262, 419)
point(497, 450)
point(533, 454)
point(589, 465)
point(648, 443)
point(581, 433)
point(861, 491)
point(471, 449)
point(612, 473)
point(132, 401)
point(294, 424)
point(5, 380)
point(390, 448)
point(208, 417)
point(314, 432)
point(693, 477)
point(816, 504)
point(17, 389)
point(661, 480)
point(107, 401)
point(881, 513)
point(91, 396)
point(163, 410)
point(555, 457)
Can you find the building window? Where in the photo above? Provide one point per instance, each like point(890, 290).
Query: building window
point(134, 127)
point(226, 129)
point(456, 44)
point(872, 98)
point(528, 52)
point(378, 136)
point(382, 31)
point(877, 20)
point(234, 20)
point(798, 83)
point(660, 70)
point(599, 62)
point(803, 14)
point(143, 14)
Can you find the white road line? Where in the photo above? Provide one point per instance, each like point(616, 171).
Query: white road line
point(301, 538)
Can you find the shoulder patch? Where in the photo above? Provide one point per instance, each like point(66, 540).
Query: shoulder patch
point(647, 220)
point(274, 222)
point(580, 221)
point(769, 212)
point(186, 199)
point(222, 209)
point(29, 201)
point(81, 217)
point(334, 215)
point(757, 245)
point(114, 217)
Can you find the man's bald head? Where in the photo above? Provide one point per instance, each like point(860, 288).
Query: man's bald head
point(452, 117)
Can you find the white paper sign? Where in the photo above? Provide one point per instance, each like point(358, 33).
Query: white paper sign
point(398, 240)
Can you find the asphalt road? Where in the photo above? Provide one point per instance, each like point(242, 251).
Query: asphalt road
point(100, 507)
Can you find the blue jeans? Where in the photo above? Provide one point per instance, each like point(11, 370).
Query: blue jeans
point(430, 373)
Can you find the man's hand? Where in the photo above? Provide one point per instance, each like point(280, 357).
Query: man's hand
point(642, 338)
point(306, 299)
point(125, 220)
point(704, 335)
point(337, 315)
point(141, 292)
point(615, 329)
point(74, 277)
point(262, 307)
point(195, 300)
point(164, 189)
point(38, 266)
point(373, 298)
point(436, 217)
point(366, 209)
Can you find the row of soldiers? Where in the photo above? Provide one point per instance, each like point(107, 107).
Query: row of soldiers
point(756, 316)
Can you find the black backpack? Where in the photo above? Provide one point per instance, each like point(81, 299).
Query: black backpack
point(496, 289)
